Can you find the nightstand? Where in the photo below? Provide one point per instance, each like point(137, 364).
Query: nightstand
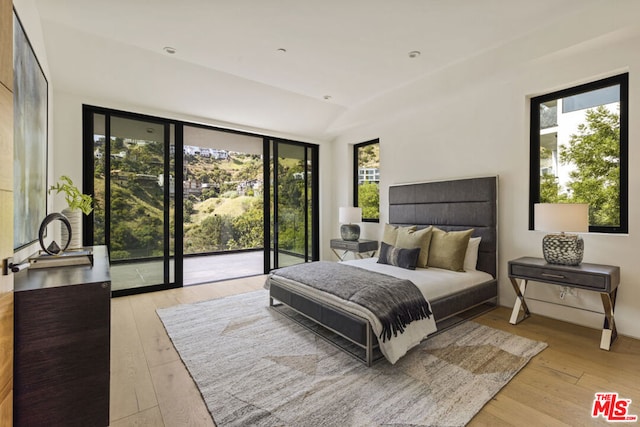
point(603, 279)
point(358, 247)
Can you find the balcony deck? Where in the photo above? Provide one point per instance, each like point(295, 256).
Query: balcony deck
point(197, 270)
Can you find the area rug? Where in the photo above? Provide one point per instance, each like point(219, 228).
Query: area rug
point(255, 367)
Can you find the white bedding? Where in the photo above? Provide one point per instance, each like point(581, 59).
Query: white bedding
point(433, 283)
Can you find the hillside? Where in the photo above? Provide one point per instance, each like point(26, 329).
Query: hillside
point(216, 216)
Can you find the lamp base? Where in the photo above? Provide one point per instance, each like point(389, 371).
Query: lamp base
point(350, 232)
point(564, 249)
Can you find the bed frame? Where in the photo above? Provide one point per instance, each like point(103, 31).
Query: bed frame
point(449, 205)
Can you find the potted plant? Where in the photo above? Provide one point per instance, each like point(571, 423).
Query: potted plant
point(77, 203)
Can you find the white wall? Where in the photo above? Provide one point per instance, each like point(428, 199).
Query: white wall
point(471, 119)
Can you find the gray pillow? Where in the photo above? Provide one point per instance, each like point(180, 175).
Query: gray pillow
point(403, 258)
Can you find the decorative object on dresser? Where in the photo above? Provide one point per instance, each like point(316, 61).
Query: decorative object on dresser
point(347, 216)
point(62, 344)
point(358, 247)
point(77, 204)
point(603, 279)
point(66, 233)
point(451, 206)
point(253, 366)
point(562, 248)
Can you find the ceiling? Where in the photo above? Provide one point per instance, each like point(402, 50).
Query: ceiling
point(228, 66)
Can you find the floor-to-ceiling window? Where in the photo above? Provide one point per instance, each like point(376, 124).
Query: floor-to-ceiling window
point(223, 193)
point(293, 203)
point(132, 176)
point(247, 204)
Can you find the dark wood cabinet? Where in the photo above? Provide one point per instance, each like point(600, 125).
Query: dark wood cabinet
point(62, 345)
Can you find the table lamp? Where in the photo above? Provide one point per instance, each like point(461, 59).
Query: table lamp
point(559, 218)
point(347, 216)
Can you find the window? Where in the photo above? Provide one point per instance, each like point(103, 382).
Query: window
point(579, 151)
point(366, 179)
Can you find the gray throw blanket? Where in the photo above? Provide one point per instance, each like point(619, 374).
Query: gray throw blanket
point(396, 302)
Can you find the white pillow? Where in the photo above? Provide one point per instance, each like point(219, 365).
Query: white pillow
point(471, 256)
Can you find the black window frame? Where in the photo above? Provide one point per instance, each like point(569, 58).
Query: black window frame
point(534, 155)
point(356, 172)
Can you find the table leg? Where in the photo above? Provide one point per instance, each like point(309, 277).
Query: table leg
point(609, 330)
point(340, 257)
point(369, 254)
point(520, 304)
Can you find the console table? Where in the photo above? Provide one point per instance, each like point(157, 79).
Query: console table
point(358, 247)
point(603, 279)
point(62, 333)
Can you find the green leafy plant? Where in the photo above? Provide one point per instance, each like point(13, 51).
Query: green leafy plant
point(74, 197)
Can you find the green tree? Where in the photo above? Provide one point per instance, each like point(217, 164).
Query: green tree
point(369, 156)
point(248, 227)
point(203, 177)
point(595, 152)
point(369, 200)
point(550, 189)
point(117, 144)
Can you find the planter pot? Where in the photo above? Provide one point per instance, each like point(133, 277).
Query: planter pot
point(75, 219)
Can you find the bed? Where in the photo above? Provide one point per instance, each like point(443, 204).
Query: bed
point(451, 206)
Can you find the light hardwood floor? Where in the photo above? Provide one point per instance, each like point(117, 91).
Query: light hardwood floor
point(151, 387)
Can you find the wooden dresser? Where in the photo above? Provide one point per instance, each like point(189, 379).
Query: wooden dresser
point(62, 333)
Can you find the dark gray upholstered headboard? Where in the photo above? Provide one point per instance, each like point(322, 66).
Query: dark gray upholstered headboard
point(452, 205)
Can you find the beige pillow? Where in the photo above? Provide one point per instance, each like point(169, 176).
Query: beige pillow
point(448, 249)
point(471, 256)
point(410, 239)
point(390, 233)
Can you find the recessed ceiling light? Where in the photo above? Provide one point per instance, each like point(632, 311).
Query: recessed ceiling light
point(414, 54)
point(170, 50)
point(282, 50)
point(327, 97)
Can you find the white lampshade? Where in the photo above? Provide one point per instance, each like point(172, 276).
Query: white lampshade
point(349, 215)
point(561, 217)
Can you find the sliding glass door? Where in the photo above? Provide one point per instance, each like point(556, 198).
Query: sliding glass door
point(223, 194)
point(133, 181)
point(181, 204)
point(293, 203)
